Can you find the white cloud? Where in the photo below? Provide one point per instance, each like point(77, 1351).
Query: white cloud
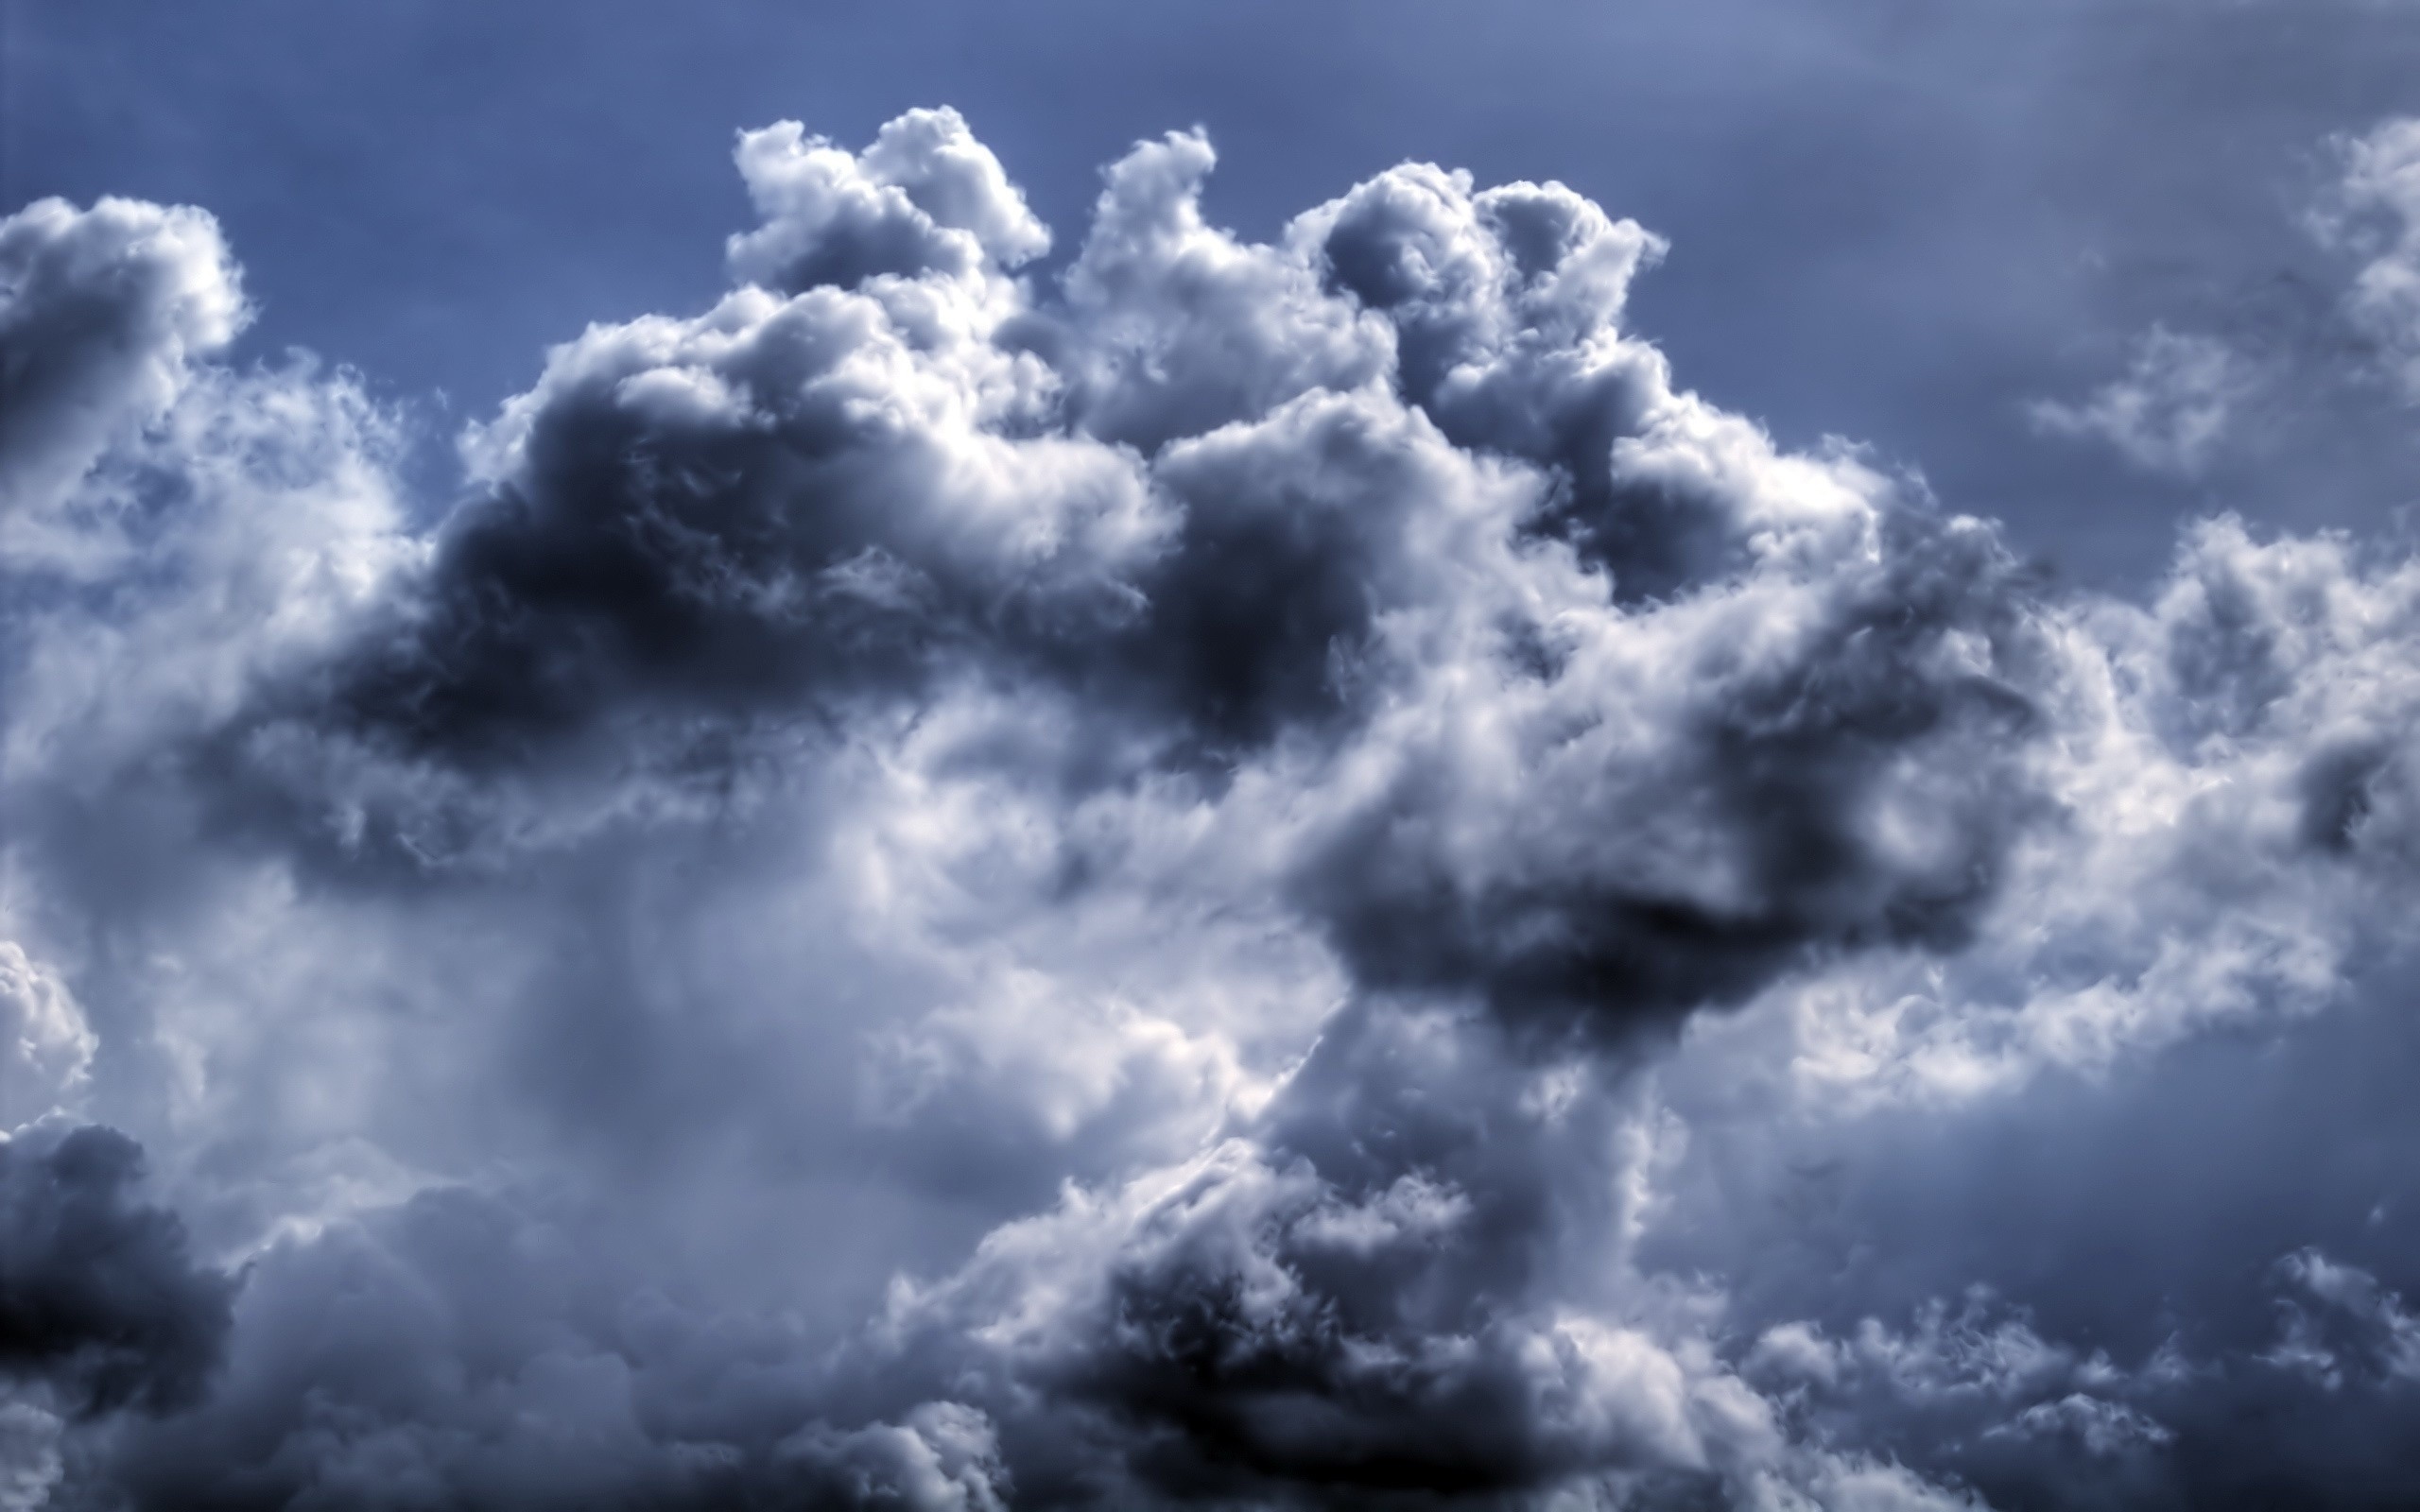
point(2377, 213)
point(2179, 404)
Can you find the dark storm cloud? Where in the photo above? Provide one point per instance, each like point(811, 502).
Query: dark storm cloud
point(1780, 769)
point(100, 1298)
point(1344, 1306)
point(1264, 874)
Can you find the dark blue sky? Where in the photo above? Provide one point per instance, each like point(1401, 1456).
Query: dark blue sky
point(1893, 220)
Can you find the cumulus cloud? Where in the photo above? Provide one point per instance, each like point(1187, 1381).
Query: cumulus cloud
point(100, 312)
point(1252, 875)
point(926, 197)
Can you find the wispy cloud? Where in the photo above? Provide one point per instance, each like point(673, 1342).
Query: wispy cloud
point(2172, 411)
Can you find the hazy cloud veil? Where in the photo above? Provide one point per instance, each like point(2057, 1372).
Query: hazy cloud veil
point(1229, 874)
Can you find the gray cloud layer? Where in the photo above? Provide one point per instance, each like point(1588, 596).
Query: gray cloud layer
point(1256, 875)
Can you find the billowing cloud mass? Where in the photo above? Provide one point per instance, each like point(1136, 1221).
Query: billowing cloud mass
point(1231, 874)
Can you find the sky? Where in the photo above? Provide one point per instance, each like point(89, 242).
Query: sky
point(1896, 221)
point(1258, 757)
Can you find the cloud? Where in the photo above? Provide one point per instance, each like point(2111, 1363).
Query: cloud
point(926, 197)
point(1260, 874)
point(29, 1462)
point(103, 1304)
point(2176, 406)
point(102, 311)
point(49, 1046)
point(453, 1347)
point(2376, 211)
point(2384, 1338)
